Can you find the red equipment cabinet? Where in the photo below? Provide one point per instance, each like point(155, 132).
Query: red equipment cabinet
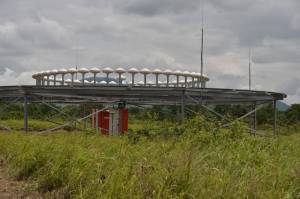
point(108, 121)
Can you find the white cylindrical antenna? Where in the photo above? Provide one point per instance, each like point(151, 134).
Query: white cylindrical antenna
point(47, 74)
point(145, 72)
point(177, 73)
point(150, 83)
point(95, 70)
point(107, 70)
point(72, 71)
point(157, 72)
point(168, 73)
point(133, 71)
point(103, 83)
point(186, 74)
point(54, 73)
point(120, 71)
point(112, 83)
point(83, 71)
point(62, 72)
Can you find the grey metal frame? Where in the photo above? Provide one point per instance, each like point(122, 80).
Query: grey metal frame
point(79, 94)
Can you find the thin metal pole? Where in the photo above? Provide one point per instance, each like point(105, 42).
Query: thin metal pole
point(145, 79)
point(168, 79)
point(54, 76)
point(249, 67)
point(201, 52)
point(250, 122)
point(156, 80)
point(183, 106)
point(120, 81)
point(275, 118)
point(84, 113)
point(82, 79)
point(48, 82)
point(120, 120)
point(200, 107)
point(75, 116)
point(255, 119)
point(0, 111)
point(95, 79)
point(178, 110)
point(26, 113)
point(62, 79)
point(132, 79)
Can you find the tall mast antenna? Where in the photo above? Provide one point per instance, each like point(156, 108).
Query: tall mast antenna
point(202, 85)
point(249, 67)
point(76, 58)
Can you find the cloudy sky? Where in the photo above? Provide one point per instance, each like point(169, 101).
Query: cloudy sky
point(37, 35)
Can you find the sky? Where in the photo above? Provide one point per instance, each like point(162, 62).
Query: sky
point(39, 35)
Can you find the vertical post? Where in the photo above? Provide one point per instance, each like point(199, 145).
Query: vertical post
point(156, 80)
point(54, 76)
point(254, 119)
point(84, 114)
point(178, 110)
point(97, 120)
point(183, 106)
point(75, 115)
point(168, 79)
point(0, 112)
point(200, 107)
point(93, 119)
point(132, 79)
point(275, 118)
point(250, 120)
point(120, 81)
point(26, 113)
point(94, 80)
point(82, 79)
point(145, 83)
point(120, 119)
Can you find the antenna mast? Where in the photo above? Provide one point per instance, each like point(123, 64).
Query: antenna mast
point(249, 67)
point(200, 107)
point(76, 58)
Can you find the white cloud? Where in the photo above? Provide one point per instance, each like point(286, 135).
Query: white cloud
point(24, 78)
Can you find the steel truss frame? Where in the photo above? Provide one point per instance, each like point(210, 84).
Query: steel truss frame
point(138, 96)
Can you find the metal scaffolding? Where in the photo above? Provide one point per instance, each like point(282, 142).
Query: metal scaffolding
point(82, 95)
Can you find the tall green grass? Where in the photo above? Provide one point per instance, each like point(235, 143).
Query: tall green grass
point(36, 125)
point(189, 161)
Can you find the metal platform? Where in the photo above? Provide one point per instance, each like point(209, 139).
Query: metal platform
point(136, 95)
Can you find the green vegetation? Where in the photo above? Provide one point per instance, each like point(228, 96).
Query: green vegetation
point(194, 160)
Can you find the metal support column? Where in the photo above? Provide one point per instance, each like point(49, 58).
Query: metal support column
point(200, 107)
point(275, 118)
point(75, 116)
point(26, 113)
point(84, 114)
point(255, 119)
point(183, 106)
point(250, 120)
point(178, 111)
point(120, 119)
point(0, 112)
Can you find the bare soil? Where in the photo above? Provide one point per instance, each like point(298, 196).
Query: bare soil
point(10, 189)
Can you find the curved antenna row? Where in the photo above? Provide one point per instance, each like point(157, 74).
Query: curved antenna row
point(44, 77)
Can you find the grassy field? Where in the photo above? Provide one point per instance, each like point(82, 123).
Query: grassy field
point(189, 161)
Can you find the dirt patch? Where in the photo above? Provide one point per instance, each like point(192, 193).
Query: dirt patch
point(10, 189)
